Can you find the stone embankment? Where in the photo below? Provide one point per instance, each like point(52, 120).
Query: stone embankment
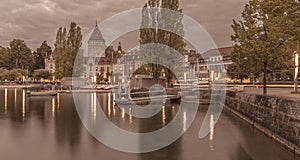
point(275, 116)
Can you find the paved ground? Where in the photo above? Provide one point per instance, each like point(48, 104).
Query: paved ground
point(278, 92)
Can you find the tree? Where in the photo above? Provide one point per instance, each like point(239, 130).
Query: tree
point(5, 58)
point(74, 42)
point(12, 75)
point(159, 36)
point(39, 74)
point(21, 54)
point(109, 52)
point(99, 78)
point(237, 69)
point(262, 36)
point(61, 52)
point(3, 74)
point(67, 47)
point(41, 53)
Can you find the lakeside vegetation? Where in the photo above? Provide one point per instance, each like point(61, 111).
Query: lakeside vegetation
point(18, 61)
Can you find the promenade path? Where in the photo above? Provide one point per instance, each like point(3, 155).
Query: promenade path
point(283, 92)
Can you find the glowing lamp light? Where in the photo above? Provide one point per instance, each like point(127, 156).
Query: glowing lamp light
point(296, 64)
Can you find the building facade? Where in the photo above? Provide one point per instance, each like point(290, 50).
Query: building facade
point(95, 55)
point(50, 63)
point(212, 64)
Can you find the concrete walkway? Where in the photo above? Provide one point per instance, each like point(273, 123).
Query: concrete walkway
point(278, 92)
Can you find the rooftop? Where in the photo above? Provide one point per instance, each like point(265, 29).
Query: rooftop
point(96, 35)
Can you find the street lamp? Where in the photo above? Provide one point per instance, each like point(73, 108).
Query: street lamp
point(95, 79)
point(296, 71)
point(23, 79)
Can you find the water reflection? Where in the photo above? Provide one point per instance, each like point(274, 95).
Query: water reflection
point(123, 113)
point(23, 104)
point(130, 116)
point(163, 114)
point(58, 101)
point(53, 107)
point(109, 105)
point(15, 97)
point(184, 121)
point(94, 107)
point(5, 100)
point(211, 135)
point(49, 128)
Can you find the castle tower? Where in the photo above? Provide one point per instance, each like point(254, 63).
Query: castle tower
point(96, 49)
point(96, 43)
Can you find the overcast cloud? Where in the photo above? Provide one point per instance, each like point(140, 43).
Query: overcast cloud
point(37, 20)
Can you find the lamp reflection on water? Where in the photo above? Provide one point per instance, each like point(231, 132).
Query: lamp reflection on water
point(23, 104)
point(53, 107)
point(5, 100)
point(109, 106)
point(15, 97)
point(123, 114)
point(130, 115)
point(184, 121)
point(211, 136)
point(114, 111)
point(58, 101)
point(173, 111)
point(94, 106)
point(163, 116)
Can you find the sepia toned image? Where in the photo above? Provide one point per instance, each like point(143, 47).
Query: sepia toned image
point(149, 80)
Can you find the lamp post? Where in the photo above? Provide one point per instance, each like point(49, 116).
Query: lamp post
point(296, 72)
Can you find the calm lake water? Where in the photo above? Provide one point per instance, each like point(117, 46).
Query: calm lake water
point(49, 128)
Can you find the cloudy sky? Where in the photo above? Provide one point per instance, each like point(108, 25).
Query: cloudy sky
point(37, 20)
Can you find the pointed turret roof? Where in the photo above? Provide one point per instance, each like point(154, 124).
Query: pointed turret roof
point(96, 35)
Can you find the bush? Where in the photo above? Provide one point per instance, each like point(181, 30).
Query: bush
point(12, 75)
point(41, 74)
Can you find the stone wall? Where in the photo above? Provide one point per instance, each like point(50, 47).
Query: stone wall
point(279, 116)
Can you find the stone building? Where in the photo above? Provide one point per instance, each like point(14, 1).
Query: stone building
point(95, 51)
point(50, 63)
point(211, 65)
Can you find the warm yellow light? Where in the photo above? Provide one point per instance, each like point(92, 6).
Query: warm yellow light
point(5, 100)
point(297, 65)
point(130, 116)
point(53, 107)
point(123, 113)
point(211, 136)
point(109, 106)
point(163, 116)
point(184, 121)
point(16, 97)
point(23, 104)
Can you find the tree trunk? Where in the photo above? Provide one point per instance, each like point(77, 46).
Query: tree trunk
point(265, 79)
